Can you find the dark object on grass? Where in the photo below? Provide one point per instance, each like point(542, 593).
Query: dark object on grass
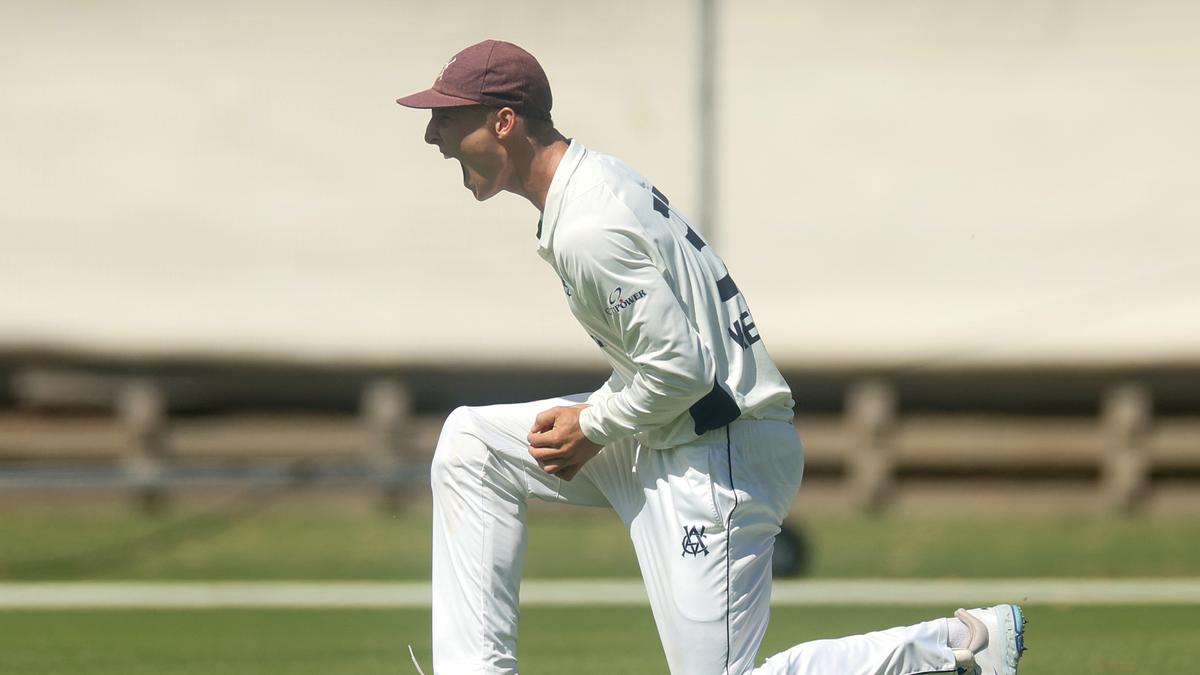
point(792, 556)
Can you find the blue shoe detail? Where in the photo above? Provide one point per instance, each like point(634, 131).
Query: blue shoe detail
point(1019, 625)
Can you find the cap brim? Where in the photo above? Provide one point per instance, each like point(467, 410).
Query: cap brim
point(433, 99)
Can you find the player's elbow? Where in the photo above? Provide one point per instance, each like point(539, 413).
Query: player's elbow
point(693, 382)
point(682, 375)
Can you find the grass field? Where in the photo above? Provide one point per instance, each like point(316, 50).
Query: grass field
point(309, 543)
point(270, 542)
point(583, 640)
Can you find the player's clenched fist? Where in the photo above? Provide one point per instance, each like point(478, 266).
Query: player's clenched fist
point(558, 444)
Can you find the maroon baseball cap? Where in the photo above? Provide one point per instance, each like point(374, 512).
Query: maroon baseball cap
point(492, 73)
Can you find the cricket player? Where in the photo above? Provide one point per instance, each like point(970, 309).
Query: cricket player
point(690, 440)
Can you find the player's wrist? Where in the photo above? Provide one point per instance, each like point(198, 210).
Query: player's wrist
point(589, 425)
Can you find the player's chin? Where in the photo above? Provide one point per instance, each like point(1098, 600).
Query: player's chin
point(482, 187)
point(483, 193)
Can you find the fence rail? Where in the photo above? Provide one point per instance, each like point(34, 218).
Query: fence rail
point(137, 445)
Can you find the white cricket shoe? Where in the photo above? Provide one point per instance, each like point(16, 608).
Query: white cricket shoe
point(997, 640)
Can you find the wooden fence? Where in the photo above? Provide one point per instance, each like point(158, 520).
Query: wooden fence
point(137, 445)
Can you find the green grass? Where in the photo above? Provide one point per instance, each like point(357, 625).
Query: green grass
point(45, 543)
point(268, 542)
point(582, 641)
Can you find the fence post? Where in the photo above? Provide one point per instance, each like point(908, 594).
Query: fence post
point(1126, 420)
point(870, 414)
point(141, 406)
point(386, 413)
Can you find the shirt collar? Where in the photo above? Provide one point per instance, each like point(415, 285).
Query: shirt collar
point(554, 196)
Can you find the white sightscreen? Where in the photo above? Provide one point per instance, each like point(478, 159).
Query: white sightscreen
point(986, 182)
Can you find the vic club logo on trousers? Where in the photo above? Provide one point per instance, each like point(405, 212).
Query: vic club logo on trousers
point(693, 541)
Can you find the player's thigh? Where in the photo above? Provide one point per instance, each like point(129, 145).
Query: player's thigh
point(761, 475)
point(761, 471)
point(721, 499)
point(493, 439)
point(704, 536)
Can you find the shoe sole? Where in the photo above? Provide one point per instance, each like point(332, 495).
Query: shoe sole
point(1006, 639)
point(1011, 621)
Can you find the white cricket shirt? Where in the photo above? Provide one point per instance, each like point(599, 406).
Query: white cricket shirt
point(685, 353)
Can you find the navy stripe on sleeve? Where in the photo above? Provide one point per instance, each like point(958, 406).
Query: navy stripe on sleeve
point(726, 288)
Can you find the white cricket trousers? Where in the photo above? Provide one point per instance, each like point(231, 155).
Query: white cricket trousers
point(702, 517)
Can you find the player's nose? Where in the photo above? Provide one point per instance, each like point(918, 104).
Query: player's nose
point(431, 136)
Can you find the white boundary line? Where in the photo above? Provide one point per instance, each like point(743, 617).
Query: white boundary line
point(73, 595)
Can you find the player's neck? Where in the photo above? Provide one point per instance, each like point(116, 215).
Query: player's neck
point(535, 174)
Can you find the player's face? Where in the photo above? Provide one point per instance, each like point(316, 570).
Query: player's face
point(465, 134)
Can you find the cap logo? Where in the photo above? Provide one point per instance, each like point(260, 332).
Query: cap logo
point(443, 70)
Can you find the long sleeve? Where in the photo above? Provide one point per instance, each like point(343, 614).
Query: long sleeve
point(618, 284)
point(612, 385)
point(686, 355)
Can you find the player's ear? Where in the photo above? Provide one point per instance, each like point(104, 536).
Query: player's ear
point(503, 122)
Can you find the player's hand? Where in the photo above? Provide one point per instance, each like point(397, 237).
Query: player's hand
point(558, 444)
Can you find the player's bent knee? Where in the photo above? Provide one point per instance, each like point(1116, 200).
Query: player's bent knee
point(458, 420)
point(455, 448)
